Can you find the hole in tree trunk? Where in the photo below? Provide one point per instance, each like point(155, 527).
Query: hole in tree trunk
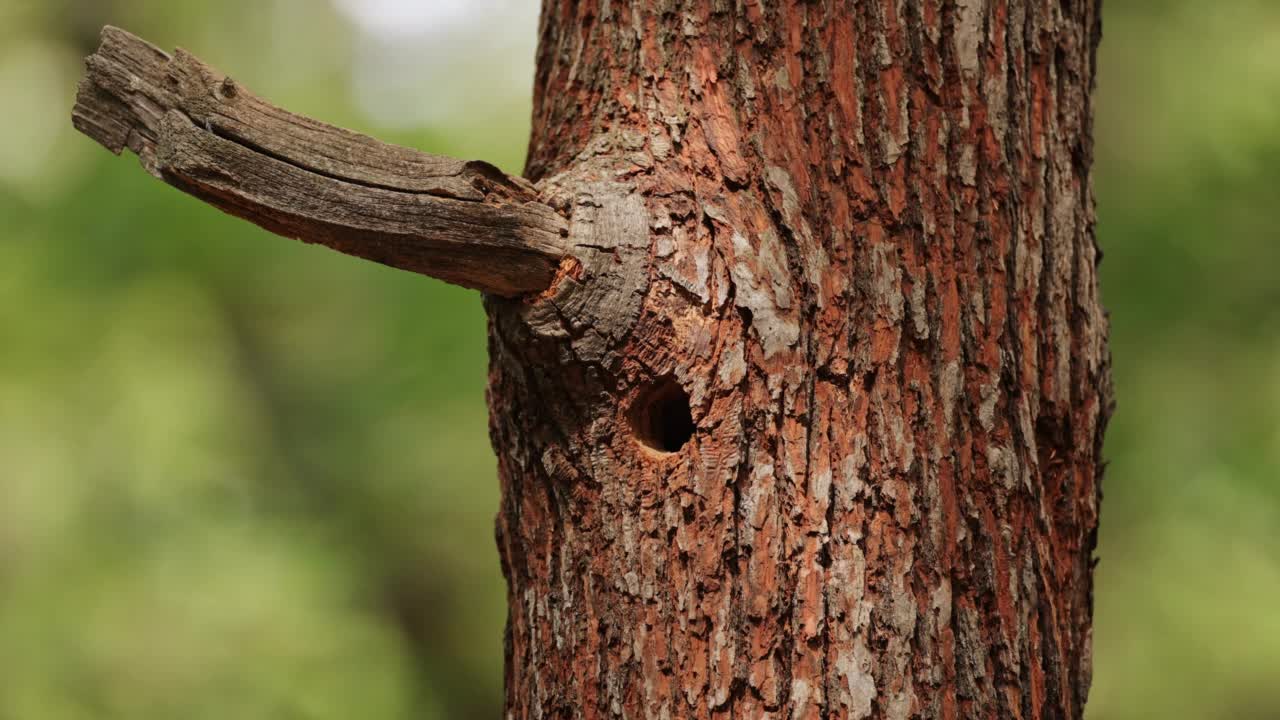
point(660, 416)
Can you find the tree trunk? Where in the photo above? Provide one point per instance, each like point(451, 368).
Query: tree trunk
point(798, 370)
point(810, 424)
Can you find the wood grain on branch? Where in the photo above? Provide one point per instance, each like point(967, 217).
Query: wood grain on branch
point(467, 223)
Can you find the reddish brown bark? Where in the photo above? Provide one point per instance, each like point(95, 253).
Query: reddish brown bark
point(858, 236)
point(808, 422)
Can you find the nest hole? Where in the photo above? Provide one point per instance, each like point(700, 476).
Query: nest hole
point(660, 417)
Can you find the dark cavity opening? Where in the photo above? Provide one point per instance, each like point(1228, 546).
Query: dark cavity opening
point(660, 416)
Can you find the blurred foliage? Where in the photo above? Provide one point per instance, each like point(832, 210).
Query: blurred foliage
point(242, 477)
point(1188, 157)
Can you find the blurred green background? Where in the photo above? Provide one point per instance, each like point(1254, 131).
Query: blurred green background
point(241, 477)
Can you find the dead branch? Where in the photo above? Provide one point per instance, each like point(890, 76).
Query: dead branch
point(467, 223)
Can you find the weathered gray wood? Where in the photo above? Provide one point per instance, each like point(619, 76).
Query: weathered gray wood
point(463, 222)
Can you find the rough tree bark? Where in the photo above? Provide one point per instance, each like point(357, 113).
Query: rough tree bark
point(799, 409)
